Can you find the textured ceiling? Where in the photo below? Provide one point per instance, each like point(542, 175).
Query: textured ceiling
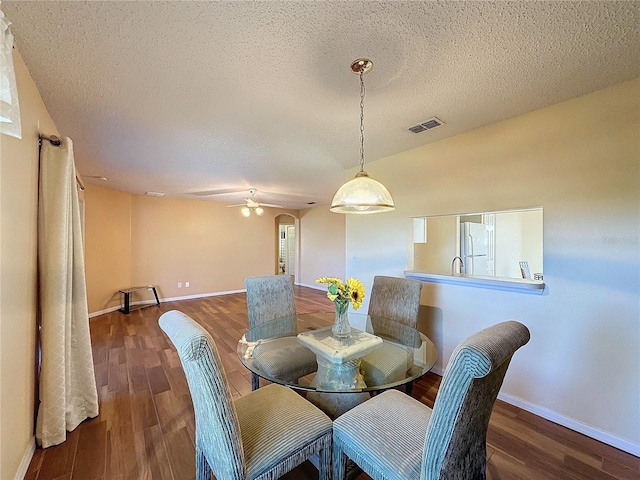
point(187, 97)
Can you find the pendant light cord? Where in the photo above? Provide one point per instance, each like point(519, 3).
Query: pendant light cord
point(361, 119)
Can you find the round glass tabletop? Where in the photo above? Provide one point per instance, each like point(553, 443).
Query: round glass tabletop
point(378, 353)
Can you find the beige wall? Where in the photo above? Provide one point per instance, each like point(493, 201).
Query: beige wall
point(140, 240)
point(508, 238)
point(580, 161)
point(435, 256)
point(322, 245)
point(532, 249)
point(18, 219)
point(205, 243)
point(107, 245)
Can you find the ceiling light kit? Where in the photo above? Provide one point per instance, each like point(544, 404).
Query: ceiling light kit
point(362, 195)
point(251, 205)
point(246, 211)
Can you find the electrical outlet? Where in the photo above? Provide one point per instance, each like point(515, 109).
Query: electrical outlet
point(186, 284)
point(179, 284)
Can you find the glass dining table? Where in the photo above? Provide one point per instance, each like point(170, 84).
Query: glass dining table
point(337, 372)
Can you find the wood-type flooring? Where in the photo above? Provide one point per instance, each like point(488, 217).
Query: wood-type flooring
point(145, 429)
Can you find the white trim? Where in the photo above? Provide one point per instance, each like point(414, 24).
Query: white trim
point(102, 312)
point(478, 281)
point(201, 295)
point(314, 286)
point(26, 460)
point(170, 299)
point(570, 423)
point(296, 223)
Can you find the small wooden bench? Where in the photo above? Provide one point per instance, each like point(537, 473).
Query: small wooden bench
point(126, 292)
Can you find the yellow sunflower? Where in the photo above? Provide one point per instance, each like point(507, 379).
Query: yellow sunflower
point(336, 289)
point(356, 292)
point(338, 292)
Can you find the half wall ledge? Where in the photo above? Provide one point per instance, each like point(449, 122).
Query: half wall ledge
point(535, 287)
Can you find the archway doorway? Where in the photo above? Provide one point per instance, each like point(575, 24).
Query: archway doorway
point(287, 245)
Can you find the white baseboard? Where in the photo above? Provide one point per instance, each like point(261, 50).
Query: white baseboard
point(102, 312)
point(168, 299)
point(314, 286)
point(201, 295)
point(189, 297)
point(26, 460)
point(570, 423)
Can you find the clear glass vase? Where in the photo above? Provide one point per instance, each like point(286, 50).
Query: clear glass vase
point(341, 327)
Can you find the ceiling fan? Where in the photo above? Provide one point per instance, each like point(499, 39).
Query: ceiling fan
point(251, 205)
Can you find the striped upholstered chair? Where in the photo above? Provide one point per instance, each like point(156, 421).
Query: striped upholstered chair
point(262, 435)
point(394, 437)
point(268, 298)
point(396, 299)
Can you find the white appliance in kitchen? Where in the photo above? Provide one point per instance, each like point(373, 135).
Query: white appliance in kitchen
point(474, 249)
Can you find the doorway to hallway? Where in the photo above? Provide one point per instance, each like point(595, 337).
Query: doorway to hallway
point(287, 242)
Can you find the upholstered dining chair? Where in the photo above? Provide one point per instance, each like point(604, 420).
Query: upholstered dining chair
point(268, 298)
point(395, 437)
point(396, 299)
point(262, 435)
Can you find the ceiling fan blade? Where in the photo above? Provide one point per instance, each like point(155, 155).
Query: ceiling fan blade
point(251, 201)
point(212, 193)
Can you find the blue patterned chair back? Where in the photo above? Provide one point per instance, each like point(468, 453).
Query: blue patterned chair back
point(217, 428)
point(395, 298)
point(269, 298)
point(456, 435)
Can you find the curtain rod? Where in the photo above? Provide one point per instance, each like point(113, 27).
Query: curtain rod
point(55, 141)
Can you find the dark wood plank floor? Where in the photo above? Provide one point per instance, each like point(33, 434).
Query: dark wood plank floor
point(145, 429)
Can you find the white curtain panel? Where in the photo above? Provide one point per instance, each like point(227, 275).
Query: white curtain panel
point(68, 392)
point(9, 105)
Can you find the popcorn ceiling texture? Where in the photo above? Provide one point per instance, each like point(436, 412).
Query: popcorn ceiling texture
point(182, 97)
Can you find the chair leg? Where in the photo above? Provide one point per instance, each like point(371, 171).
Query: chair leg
point(255, 382)
point(203, 471)
point(324, 469)
point(408, 389)
point(339, 460)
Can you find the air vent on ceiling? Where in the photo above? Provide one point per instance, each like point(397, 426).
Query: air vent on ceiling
point(154, 194)
point(433, 122)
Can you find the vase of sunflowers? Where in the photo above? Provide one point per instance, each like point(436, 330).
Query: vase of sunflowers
point(342, 294)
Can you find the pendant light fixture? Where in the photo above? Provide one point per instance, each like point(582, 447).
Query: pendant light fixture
point(362, 195)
